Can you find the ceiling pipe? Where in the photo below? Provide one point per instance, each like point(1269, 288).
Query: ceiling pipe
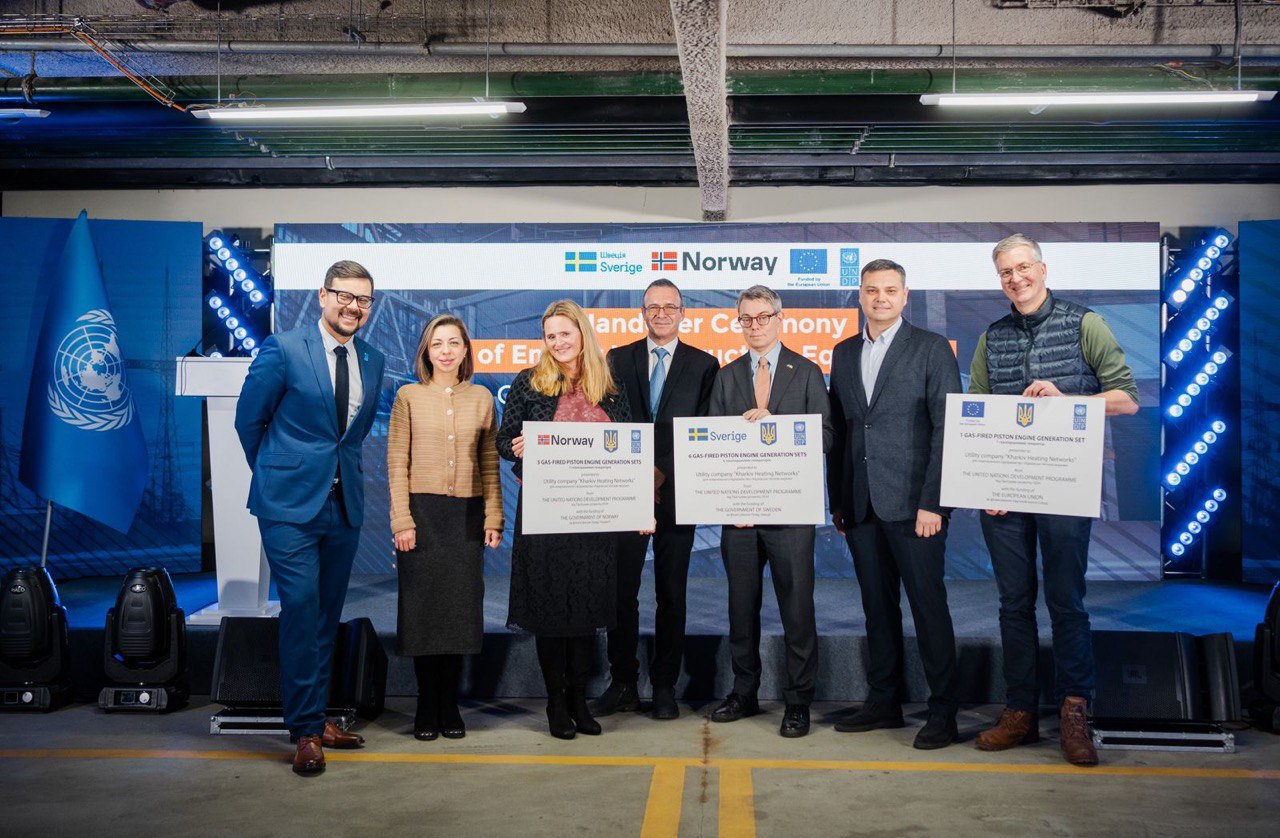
point(1028, 52)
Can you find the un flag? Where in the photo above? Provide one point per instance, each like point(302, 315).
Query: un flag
point(82, 444)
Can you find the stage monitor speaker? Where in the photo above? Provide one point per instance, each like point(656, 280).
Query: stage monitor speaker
point(1163, 677)
point(246, 667)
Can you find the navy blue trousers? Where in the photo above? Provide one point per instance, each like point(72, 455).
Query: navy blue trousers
point(311, 566)
point(1064, 549)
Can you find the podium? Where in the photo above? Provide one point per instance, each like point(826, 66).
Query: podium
point(244, 579)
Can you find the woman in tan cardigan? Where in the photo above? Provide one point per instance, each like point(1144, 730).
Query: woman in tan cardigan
point(446, 507)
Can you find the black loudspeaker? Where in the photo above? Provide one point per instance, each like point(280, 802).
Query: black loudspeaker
point(33, 642)
point(1163, 677)
point(1266, 666)
point(246, 667)
point(145, 645)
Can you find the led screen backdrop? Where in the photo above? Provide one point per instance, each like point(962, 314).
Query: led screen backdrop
point(152, 275)
point(1259, 406)
point(500, 277)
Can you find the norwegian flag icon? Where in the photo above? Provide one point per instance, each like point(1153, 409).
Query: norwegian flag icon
point(662, 260)
point(544, 439)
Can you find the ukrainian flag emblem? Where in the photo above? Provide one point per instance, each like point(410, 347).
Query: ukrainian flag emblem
point(1026, 414)
point(698, 435)
point(611, 441)
point(768, 432)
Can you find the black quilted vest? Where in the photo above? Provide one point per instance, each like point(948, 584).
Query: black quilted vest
point(1043, 345)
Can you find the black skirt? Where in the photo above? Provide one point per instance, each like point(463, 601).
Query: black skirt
point(562, 585)
point(441, 602)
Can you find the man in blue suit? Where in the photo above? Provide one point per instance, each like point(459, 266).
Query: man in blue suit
point(304, 411)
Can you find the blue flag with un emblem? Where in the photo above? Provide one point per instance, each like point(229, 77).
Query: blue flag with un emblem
point(82, 444)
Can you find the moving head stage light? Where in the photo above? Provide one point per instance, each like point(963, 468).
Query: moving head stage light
point(33, 642)
point(145, 646)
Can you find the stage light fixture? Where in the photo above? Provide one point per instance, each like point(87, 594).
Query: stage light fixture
point(34, 653)
point(145, 645)
point(1195, 387)
point(1199, 521)
point(1200, 263)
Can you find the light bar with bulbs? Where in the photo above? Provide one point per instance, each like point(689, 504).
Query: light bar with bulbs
point(1049, 99)
point(268, 113)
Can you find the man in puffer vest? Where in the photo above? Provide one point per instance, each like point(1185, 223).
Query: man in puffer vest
point(1045, 347)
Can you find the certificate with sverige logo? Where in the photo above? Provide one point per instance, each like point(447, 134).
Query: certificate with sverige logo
point(1022, 454)
point(731, 471)
point(587, 477)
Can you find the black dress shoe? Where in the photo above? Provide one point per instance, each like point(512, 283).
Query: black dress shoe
point(617, 698)
point(664, 703)
point(451, 724)
point(735, 707)
point(795, 721)
point(873, 716)
point(939, 731)
point(425, 734)
point(559, 721)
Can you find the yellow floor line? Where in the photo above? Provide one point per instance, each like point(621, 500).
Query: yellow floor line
point(737, 802)
point(905, 766)
point(666, 794)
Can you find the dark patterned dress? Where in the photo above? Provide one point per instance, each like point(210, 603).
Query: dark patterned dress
point(562, 585)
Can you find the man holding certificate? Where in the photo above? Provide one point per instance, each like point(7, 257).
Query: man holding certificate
point(889, 389)
point(1045, 347)
point(770, 380)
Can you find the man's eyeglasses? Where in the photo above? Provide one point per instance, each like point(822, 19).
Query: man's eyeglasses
point(346, 297)
point(760, 320)
point(669, 310)
point(1022, 270)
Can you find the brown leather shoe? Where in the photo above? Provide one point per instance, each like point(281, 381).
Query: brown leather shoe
point(309, 758)
point(1074, 737)
point(1015, 727)
point(337, 738)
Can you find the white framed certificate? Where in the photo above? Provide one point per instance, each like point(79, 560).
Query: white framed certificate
point(1023, 454)
point(587, 477)
point(731, 471)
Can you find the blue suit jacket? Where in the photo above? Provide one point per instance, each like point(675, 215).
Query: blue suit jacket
point(288, 426)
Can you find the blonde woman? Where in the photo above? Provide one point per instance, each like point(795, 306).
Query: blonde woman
point(563, 585)
point(446, 507)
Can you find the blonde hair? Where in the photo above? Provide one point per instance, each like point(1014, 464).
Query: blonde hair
point(423, 364)
point(548, 377)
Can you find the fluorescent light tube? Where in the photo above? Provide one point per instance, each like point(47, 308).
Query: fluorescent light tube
point(20, 113)
point(390, 111)
point(1040, 100)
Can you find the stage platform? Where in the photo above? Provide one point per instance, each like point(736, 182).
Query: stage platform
point(507, 668)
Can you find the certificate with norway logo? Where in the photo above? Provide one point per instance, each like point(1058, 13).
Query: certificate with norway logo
point(587, 477)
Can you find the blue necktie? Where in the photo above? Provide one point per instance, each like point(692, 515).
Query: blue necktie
point(656, 380)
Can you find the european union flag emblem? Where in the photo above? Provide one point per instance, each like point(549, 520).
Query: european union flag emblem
point(973, 410)
point(698, 435)
point(582, 261)
point(808, 260)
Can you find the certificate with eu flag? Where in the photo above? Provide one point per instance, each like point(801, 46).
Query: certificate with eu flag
point(1021, 454)
point(587, 477)
point(731, 471)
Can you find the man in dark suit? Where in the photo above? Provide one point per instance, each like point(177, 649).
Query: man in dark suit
point(770, 380)
point(304, 411)
point(664, 378)
point(889, 389)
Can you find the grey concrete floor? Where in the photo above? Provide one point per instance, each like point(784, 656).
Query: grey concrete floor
point(79, 772)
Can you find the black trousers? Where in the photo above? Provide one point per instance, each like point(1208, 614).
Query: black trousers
point(889, 557)
point(788, 551)
point(671, 547)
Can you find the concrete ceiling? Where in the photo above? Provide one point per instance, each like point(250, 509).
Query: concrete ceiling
point(642, 91)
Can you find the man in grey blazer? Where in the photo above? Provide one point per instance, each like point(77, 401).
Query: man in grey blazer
point(770, 380)
point(889, 387)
